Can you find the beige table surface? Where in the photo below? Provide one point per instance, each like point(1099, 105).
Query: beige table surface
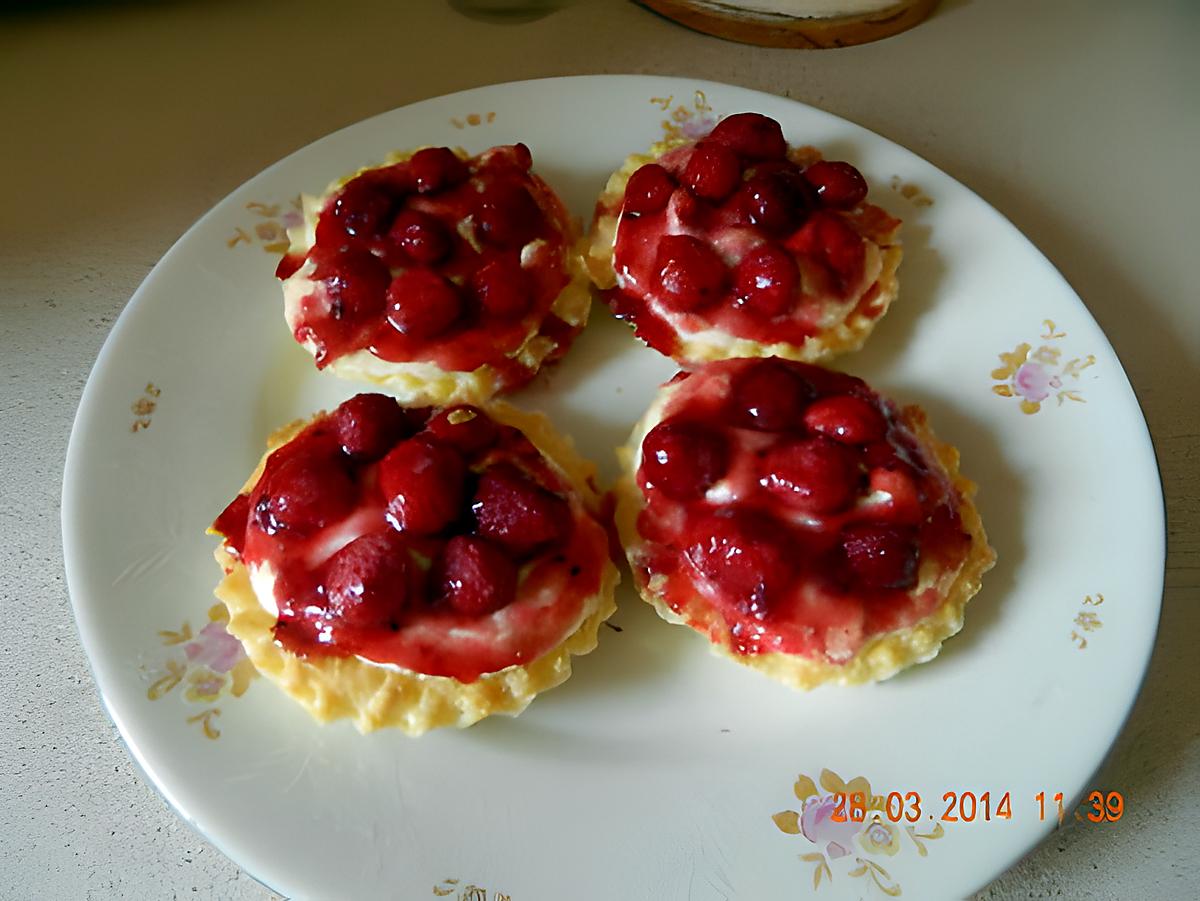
point(122, 123)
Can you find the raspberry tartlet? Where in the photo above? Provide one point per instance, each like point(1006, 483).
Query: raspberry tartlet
point(416, 568)
point(737, 245)
point(809, 527)
point(447, 278)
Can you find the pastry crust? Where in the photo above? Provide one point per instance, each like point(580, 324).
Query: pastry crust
point(846, 331)
point(422, 383)
point(375, 696)
point(882, 656)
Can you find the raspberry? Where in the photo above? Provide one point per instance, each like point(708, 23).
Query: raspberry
point(690, 272)
point(422, 304)
point(648, 190)
point(502, 288)
point(436, 168)
point(769, 395)
point(839, 185)
point(881, 556)
point(683, 459)
point(423, 483)
point(422, 237)
point(712, 171)
point(815, 475)
point(368, 425)
point(302, 490)
point(366, 585)
point(767, 280)
point(474, 576)
point(846, 418)
point(751, 136)
point(517, 513)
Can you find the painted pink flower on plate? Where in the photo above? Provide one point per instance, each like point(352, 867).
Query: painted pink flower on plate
point(819, 827)
point(1033, 383)
point(214, 648)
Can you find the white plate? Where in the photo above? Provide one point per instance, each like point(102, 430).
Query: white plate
point(656, 770)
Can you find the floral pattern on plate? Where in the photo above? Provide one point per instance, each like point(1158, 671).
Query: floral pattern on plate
point(208, 664)
point(836, 840)
point(1035, 375)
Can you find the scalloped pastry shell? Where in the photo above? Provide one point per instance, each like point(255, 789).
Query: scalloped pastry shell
point(375, 696)
point(882, 656)
point(423, 383)
point(844, 336)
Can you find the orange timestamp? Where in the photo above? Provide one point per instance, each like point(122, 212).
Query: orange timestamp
point(968, 807)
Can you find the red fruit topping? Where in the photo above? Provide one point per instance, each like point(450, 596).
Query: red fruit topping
point(366, 584)
point(828, 238)
point(474, 576)
point(507, 216)
point(881, 556)
point(422, 304)
point(368, 425)
point(506, 156)
point(846, 418)
point(712, 171)
point(465, 427)
point(648, 190)
point(767, 280)
point(303, 490)
point(423, 484)
point(690, 210)
point(435, 168)
point(769, 396)
point(421, 236)
point(815, 475)
point(742, 554)
point(502, 288)
point(363, 208)
point(232, 522)
point(768, 203)
point(898, 480)
point(690, 272)
point(683, 459)
point(355, 282)
point(839, 185)
point(752, 136)
point(515, 512)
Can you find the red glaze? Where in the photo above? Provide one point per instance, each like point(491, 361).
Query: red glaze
point(357, 572)
point(807, 542)
point(794, 243)
point(469, 223)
